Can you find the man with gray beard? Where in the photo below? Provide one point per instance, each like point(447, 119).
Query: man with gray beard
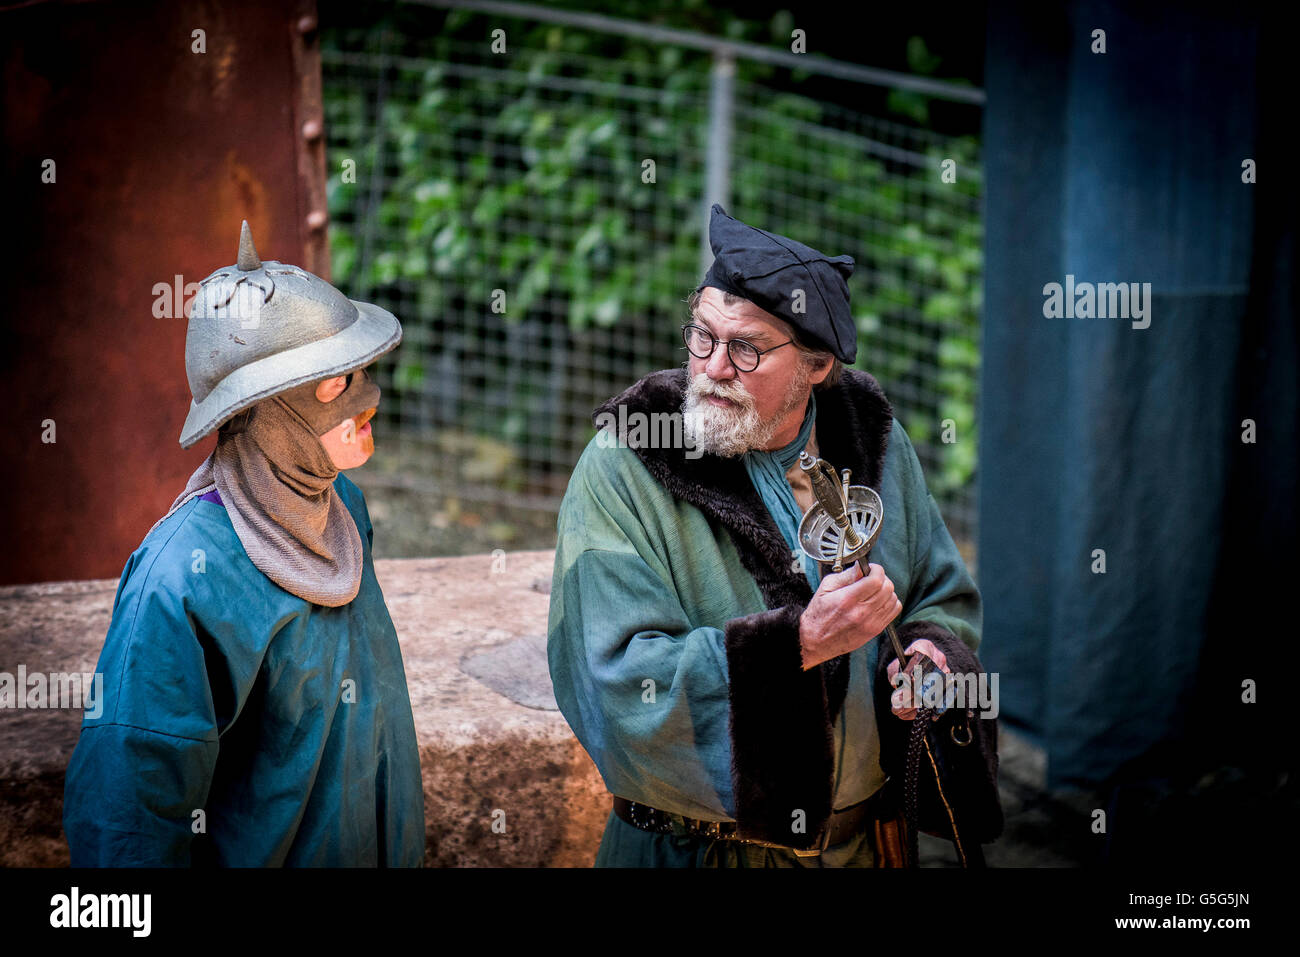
point(736, 428)
point(728, 688)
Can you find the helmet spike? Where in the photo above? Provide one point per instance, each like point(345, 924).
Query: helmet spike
point(248, 259)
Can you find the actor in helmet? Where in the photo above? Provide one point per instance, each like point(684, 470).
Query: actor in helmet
point(255, 704)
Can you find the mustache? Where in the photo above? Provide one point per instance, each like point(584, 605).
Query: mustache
point(701, 386)
point(362, 418)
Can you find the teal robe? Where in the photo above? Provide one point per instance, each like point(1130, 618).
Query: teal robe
point(673, 632)
point(242, 725)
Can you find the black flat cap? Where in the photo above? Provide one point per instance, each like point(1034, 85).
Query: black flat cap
point(767, 269)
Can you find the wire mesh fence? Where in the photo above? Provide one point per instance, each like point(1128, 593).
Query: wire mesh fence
point(531, 209)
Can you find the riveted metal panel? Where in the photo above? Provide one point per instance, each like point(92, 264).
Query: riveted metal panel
point(133, 147)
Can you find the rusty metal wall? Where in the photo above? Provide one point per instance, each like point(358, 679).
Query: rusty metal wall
point(158, 152)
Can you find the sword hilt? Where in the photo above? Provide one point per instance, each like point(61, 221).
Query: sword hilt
point(831, 496)
point(831, 492)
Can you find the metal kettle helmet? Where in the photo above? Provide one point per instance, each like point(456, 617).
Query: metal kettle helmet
point(258, 328)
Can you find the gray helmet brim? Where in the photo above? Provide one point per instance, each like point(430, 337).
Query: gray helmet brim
point(375, 332)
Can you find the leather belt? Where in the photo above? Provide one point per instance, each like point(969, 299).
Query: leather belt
point(839, 827)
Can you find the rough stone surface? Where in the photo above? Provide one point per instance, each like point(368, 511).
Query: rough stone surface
point(517, 669)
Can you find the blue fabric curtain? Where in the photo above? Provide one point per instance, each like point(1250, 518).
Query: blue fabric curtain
point(1126, 166)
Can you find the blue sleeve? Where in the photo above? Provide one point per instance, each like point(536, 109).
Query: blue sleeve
point(131, 795)
point(645, 693)
point(144, 765)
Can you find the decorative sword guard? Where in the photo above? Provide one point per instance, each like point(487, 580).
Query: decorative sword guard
point(842, 525)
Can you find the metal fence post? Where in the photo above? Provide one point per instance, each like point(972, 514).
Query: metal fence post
point(717, 169)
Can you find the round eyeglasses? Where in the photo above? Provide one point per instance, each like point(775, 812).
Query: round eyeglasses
point(744, 355)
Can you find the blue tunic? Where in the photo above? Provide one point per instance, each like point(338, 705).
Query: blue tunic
point(242, 725)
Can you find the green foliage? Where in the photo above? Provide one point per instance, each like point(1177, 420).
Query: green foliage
point(478, 193)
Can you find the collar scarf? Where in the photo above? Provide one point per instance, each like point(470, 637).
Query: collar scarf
point(767, 472)
point(277, 484)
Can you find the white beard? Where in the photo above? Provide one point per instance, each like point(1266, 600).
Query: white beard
point(736, 429)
